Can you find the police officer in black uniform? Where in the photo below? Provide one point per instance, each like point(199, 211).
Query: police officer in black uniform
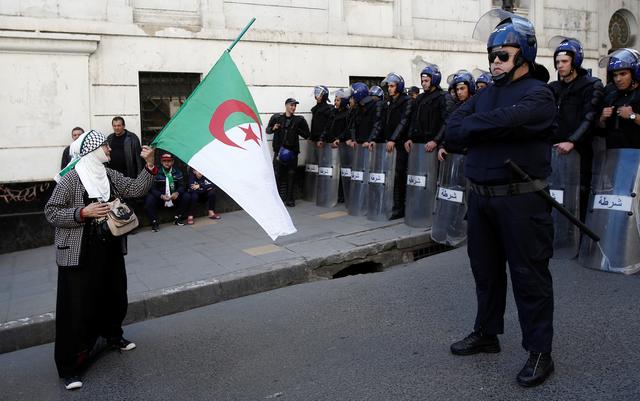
point(286, 129)
point(430, 110)
point(618, 120)
point(507, 221)
point(394, 134)
point(368, 117)
point(578, 97)
point(320, 113)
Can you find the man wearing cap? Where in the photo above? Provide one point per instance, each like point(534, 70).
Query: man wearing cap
point(286, 129)
point(167, 191)
point(507, 220)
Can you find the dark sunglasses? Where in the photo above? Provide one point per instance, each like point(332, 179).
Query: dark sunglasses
point(503, 55)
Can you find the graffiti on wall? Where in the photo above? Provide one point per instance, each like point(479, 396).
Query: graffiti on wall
point(22, 195)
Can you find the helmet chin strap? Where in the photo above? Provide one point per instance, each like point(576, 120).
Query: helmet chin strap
point(506, 77)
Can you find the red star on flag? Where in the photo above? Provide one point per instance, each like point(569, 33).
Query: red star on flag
point(250, 135)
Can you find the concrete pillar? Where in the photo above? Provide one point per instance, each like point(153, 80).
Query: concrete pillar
point(212, 14)
point(337, 23)
point(119, 11)
point(403, 19)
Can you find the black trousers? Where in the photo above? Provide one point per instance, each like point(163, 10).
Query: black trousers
point(91, 302)
point(151, 204)
point(519, 230)
point(286, 178)
point(193, 197)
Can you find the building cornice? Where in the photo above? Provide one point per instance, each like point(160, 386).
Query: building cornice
point(48, 42)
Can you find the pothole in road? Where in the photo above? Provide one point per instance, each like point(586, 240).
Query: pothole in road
point(359, 268)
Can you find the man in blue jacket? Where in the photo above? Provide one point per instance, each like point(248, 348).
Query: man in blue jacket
point(507, 221)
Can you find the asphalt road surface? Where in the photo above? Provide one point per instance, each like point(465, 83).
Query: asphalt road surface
point(382, 336)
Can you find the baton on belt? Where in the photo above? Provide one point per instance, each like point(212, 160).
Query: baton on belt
point(573, 219)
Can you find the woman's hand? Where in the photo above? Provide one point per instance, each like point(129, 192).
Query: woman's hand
point(95, 210)
point(147, 155)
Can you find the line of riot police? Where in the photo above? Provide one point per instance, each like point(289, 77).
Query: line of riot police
point(386, 156)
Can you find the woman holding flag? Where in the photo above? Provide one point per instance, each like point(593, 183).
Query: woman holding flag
point(92, 281)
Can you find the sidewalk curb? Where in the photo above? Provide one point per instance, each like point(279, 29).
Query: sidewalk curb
point(40, 329)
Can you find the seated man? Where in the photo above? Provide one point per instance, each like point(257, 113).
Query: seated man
point(201, 189)
point(167, 190)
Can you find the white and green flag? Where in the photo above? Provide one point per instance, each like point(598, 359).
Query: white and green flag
point(218, 132)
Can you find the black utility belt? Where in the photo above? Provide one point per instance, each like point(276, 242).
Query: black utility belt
point(515, 188)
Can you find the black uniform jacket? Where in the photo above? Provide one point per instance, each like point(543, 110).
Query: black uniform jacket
point(399, 113)
point(513, 121)
point(320, 120)
point(429, 115)
point(621, 132)
point(579, 104)
point(368, 120)
point(338, 126)
point(288, 133)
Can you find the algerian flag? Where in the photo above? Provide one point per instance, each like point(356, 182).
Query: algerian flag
point(218, 132)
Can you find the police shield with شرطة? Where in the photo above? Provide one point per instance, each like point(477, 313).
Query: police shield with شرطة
point(564, 187)
point(310, 171)
point(613, 215)
point(328, 178)
point(359, 190)
point(346, 159)
point(422, 181)
point(381, 184)
point(449, 224)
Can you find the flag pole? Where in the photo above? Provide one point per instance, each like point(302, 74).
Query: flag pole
point(246, 28)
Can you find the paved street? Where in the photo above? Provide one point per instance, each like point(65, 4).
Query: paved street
point(382, 336)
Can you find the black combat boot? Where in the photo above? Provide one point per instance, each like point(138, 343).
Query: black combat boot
point(536, 370)
point(475, 343)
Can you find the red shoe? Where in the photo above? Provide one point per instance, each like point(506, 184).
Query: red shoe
point(190, 220)
point(215, 217)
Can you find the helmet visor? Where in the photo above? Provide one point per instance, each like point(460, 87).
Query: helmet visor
point(490, 20)
point(319, 91)
point(620, 60)
point(555, 41)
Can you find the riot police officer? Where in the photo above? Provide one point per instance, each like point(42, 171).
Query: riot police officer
point(507, 221)
point(337, 128)
point(618, 119)
point(483, 80)
point(578, 97)
point(394, 134)
point(430, 110)
point(368, 117)
point(464, 86)
point(286, 129)
point(320, 113)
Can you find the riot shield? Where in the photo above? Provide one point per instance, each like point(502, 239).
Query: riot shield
point(564, 186)
point(381, 180)
point(328, 179)
point(422, 176)
point(346, 158)
point(449, 224)
point(310, 171)
point(358, 192)
point(613, 215)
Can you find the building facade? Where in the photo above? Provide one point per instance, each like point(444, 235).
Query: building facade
point(66, 63)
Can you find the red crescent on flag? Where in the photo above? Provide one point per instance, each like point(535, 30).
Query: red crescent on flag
point(220, 115)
